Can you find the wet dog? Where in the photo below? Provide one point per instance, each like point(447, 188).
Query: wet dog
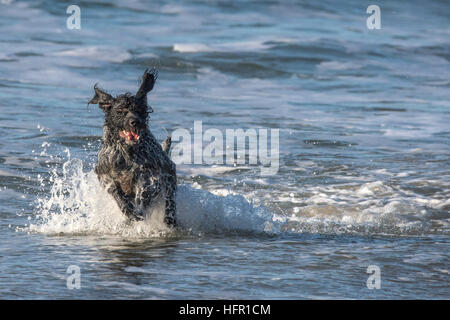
point(133, 167)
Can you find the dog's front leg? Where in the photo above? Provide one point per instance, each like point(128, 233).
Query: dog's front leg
point(125, 205)
point(151, 191)
point(103, 169)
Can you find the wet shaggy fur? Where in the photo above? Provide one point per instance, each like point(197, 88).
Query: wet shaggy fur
point(134, 168)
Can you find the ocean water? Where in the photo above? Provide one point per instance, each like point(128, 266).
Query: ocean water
point(364, 150)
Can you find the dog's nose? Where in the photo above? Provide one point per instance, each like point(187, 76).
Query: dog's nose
point(135, 122)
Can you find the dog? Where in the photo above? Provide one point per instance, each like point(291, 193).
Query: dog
point(132, 166)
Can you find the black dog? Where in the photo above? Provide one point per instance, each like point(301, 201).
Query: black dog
point(132, 165)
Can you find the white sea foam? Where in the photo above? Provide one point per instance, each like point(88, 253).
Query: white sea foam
point(213, 170)
point(336, 65)
point(369, 208)
point(191, 47)
point(111, 54)
point(77, 204)
point(253, 45)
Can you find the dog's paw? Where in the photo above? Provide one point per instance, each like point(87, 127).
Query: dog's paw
point(137, 217)
point(134, 215)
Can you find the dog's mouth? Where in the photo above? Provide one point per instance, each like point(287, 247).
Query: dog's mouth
point(129, 136)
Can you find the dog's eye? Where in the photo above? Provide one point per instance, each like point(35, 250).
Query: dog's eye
point(122, 110)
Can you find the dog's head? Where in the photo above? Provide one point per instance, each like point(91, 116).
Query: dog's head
point(126, 115)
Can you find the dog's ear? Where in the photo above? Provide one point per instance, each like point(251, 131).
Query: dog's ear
point(103, 99)
point(148, 81)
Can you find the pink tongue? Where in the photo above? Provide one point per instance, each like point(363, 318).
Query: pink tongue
point(130, 135)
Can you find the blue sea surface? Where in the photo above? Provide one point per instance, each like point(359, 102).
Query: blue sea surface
point(364, 149)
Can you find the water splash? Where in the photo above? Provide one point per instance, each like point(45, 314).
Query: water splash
point(77, 204)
